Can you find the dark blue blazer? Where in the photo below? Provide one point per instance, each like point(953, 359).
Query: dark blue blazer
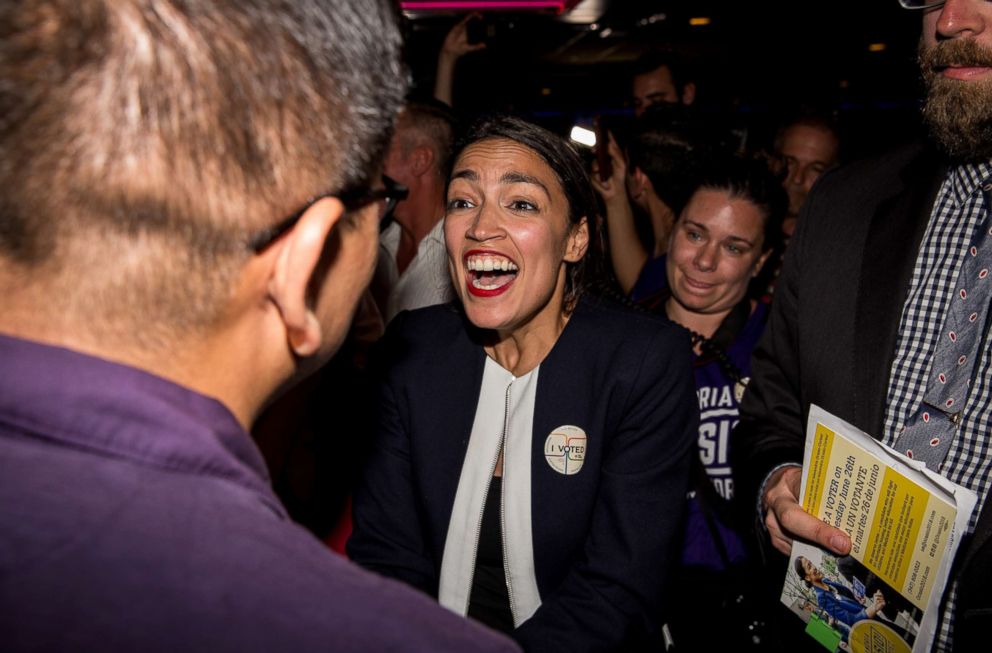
point(604, 537)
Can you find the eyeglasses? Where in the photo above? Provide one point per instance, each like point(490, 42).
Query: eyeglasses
point(353, 199)
point(920, 4)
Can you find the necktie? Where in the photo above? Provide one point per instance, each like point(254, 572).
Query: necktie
point(930, 431)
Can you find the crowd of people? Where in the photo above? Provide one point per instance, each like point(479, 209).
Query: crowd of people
point(564, 395)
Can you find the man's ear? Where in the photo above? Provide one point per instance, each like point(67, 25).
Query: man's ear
point(689, 93)
point(297, 262)
point(641, 183)
point(578, 242)
point(421, 160)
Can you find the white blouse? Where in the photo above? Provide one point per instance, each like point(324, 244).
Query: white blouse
point(504, 420)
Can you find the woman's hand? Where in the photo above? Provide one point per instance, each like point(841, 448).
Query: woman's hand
point(626, 251)
point(456, 42)
point(455, 45)
point(614, 188)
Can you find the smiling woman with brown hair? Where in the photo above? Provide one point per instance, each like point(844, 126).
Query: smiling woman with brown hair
point(721, 240)
point(533, 441)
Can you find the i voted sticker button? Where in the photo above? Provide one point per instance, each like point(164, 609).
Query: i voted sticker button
point(565, 449)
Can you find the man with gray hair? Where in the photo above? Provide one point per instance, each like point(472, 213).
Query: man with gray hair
point(412, 271)
point(189, 204)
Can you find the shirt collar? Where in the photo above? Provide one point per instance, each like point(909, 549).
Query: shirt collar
point(968, 178)
point(389, 239)
point(437, 232)
point(60, 395)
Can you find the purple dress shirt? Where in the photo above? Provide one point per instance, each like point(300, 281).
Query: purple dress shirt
point(136, 514)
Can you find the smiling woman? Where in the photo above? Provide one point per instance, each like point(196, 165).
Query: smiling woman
point(512, 234)
point(533, 440)
point(720, 241)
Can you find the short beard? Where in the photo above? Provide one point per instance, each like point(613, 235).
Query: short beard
point(959, 114)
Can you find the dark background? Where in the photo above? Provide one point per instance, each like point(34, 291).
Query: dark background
point(756, 62)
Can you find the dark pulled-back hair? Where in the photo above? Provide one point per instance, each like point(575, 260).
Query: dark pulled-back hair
point(751, 180)
point(567, 165)
point(673, 146)
point(801, 571)
point(142, 142)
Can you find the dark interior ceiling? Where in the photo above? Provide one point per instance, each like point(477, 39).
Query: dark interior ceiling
point(759, 57)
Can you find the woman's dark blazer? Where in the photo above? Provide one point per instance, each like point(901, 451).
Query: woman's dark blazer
point(602, 537)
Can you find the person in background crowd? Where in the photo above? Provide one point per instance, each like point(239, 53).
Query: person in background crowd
point(665, 157)
point(888, 258)
point(804, 149)
point(533, 440)
point(413, 269)
point(723, 237)
point(175, 248)
point(661, 77)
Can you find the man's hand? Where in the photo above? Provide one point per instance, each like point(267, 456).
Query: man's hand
point(786, 519)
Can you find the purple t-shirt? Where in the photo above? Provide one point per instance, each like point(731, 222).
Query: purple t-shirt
point(718, 408)
point(718, 415)
point(136, 515)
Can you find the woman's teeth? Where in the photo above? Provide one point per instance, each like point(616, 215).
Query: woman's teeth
point(490, 264)
point(491, 272)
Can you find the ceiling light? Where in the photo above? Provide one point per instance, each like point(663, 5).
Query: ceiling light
point(651, 20)
point(583, 136)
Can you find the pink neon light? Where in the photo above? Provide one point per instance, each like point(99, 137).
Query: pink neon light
point(558, 5)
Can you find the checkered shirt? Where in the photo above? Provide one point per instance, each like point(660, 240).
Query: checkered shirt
point(959, 210)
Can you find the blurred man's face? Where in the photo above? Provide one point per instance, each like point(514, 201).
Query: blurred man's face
point(956, 62)
point(654, 87)
point(806, 153)
point(343, 275)
point(397, 166)
point(394, 163)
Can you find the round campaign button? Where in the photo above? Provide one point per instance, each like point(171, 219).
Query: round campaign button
point(565, 449)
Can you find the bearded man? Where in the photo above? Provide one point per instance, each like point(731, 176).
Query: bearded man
point(889, 257)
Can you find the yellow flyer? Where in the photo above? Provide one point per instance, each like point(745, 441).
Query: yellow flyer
point(903, 521)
